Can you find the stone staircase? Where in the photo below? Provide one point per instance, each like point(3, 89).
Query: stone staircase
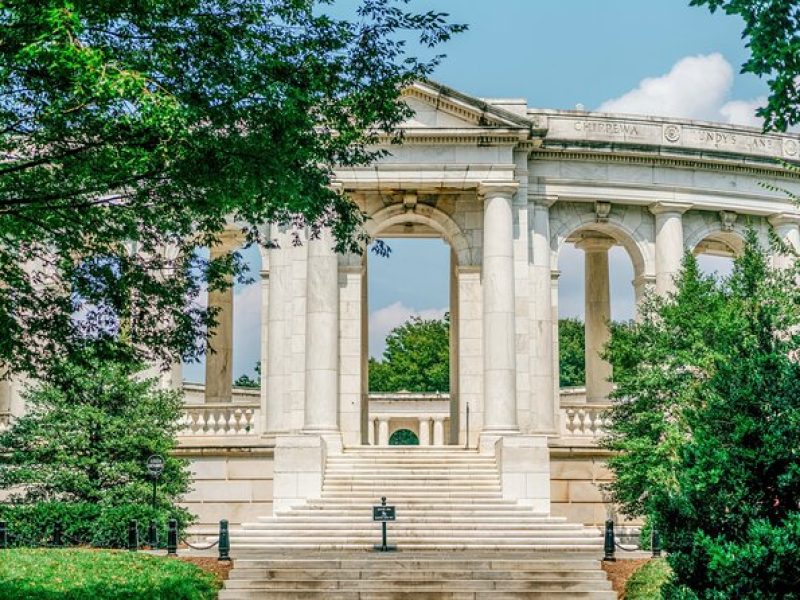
point(446, 498)
point(457, 537)
point(407, 575)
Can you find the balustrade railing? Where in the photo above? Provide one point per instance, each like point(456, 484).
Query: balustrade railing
point(220, 420)
point(587, 421)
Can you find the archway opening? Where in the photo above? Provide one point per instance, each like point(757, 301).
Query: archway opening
point(715, 253)
point(409, 320)
point(404, 437)
point(237, 338)
point(596, 291)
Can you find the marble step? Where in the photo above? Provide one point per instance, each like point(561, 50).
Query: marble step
point(432, 584)
point(429, 573)
point(426, 521)
point(412, 595)
point(411, 531)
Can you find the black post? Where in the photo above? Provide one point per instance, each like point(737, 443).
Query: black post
point(3, 535)
point(655, 543)
point(172, 538)
point(133, 536)
point(152, 535)
point(224, 541)
point(154, 492)
point(608, 543)
point(58, 530)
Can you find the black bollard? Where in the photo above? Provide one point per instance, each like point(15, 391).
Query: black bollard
point(224, 541)
point(152, 535)
point(172, 538)
point(655, 543)
point(58, 531)
point(133, 536)
point(3, 535)
point(608, 542)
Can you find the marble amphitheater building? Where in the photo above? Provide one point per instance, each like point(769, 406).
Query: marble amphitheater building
point(299, 462)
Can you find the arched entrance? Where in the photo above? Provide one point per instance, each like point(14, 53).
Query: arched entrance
point(404, 437)
point(403, 222)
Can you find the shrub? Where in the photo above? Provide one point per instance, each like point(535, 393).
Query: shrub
point(101, 575)
point(85, 523)
point(647, 580)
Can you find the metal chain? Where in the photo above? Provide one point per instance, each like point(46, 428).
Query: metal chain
point(193, 547)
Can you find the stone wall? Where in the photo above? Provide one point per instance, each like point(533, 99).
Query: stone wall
point(230, 485)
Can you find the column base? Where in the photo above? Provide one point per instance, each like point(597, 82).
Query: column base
point(524, 465)
point(300, 467)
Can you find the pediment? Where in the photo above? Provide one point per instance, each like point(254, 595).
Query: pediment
point(438, 107)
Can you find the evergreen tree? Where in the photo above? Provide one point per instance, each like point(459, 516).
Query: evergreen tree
point(706, 428)
point(87, 435)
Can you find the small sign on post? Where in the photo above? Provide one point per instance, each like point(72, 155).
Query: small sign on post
point(155, 467)
point(384, 514)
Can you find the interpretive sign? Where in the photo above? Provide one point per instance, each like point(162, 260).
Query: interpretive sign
point(155, 466)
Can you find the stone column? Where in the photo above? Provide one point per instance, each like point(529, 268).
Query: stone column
point(669, 243)
point(499, 344)
point(598, 314)
point(372, 432)
point(275, 369)
point(383, 431)
point(554, 275)
point(322, 336)
point(425, 431)
point(543, 402)
point(438, 431)
point(787, 230)
point(219, 363)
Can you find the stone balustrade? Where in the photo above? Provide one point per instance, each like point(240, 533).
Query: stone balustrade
point(220, 420)
point(579, 420)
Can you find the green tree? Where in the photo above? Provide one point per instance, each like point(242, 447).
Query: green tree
point(706, 428)
point(571, 352)
point(772, 28)
point(87, 434)
point(130, 131)
point(244, 380)
point(416, 359)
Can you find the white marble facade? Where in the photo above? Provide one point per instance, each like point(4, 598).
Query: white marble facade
point(506, 186)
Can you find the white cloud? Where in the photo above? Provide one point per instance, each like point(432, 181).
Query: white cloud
point(383, 320)
point(743, 112)
point(696, 87)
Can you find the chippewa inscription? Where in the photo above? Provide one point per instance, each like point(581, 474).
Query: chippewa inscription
point(607, 128)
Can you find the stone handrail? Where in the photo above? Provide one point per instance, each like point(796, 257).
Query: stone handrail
point(220, 420)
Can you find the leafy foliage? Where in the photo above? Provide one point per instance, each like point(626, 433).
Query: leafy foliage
point(706, 423)
point(647, 580)
point(87, 435)
point(416, 359)
point(772, 28)
point(404, 437)
point(101, 575)
point(131, 131)
point(246, 381)
point(571, 352)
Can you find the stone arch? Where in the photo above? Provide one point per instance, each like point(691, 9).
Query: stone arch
point(730, 239)
point(639, 247)
point(436, 219)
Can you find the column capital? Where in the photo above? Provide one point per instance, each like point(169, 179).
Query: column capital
point(678, 208)
point(595, 243)
point(502, 188)
point(784, 218)
point(644, 279)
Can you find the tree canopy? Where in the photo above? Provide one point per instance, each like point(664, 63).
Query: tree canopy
point(706, 428)
point(416, 359)
point(772, 28)
point(133, 132)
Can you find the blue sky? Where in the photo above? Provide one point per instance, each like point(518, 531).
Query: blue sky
point(649, 56)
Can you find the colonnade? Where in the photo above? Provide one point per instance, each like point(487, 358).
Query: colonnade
point(431, 430)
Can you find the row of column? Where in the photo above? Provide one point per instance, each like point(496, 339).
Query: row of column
point(379, 431)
